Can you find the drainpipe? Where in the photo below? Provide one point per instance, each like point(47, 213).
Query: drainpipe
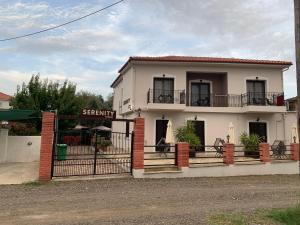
point(283, 124)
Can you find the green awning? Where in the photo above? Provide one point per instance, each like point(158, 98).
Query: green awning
point(16, 114)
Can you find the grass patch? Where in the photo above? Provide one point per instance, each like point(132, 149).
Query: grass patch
point(289, 216)
point(35, 183)
point(228, 219)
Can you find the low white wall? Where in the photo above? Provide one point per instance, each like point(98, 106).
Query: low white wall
point(225, 171)
point(23, 148)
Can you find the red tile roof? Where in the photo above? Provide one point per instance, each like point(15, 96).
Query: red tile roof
point(5, 97)
point(202, 60)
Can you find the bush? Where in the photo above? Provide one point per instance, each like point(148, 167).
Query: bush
point(251, 142)
point(187, 133)
point(103, 143)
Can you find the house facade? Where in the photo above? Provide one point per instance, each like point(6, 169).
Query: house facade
point(4, 101)
point(212, 93)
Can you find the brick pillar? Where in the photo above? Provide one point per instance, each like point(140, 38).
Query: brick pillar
point(138, 143)
point(47, 136)
point(228, 154)
point(295, 151)
point(264, 152)
point(182, 154)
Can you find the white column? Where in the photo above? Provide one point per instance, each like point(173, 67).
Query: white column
point(3, 144)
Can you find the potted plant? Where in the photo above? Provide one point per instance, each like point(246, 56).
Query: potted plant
point(251, 144)
point(103, 144)
point(187, 133)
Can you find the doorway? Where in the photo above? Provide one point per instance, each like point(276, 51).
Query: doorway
point(161, 130)
point(200, 131)
point(259, 128)
point(200, 94)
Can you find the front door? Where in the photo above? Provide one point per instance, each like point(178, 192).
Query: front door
point(160, 133)
point(259, 128)
point(200, 131)
point(200, 94)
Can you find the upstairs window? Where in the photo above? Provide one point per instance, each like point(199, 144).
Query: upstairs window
point(163, 90)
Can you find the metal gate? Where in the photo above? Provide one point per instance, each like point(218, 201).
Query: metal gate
point(84, 151)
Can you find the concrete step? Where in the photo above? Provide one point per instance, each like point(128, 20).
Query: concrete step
point(155, 169)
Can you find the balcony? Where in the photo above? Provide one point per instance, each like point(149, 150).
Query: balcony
point(250, 102)
point(233, 100)
point(158, 99)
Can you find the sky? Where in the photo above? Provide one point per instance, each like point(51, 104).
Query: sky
point(90, 52)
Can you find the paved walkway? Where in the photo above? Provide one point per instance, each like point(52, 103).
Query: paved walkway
point(18, 173)
point(143, 201)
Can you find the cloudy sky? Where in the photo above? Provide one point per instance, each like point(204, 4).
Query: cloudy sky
point(91, 51)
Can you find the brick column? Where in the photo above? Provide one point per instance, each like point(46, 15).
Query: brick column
point(47, 136)
point(182, 154)
point(295, 151)
point(264, 152)
point(228, 154)
point(138, 143)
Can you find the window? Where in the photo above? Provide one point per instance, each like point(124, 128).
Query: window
point(163, 90)
point(200, 94)
point(256, 94)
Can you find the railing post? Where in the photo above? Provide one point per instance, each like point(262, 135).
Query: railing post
point(295, 151)
point(138, 144)
point(182, 154)
point(228, 154)
point(264, 152)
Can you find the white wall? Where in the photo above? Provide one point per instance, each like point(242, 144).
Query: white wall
point(217, 124)
point(4, 104)
point(21, 149)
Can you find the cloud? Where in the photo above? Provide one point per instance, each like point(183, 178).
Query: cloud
point(91, 51)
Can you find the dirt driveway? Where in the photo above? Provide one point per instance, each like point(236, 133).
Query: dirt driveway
point(134, 201)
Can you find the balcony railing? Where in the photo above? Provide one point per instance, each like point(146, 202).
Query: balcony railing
point(166, 96)
point(263, 98)
point(231, 100)
point(216, 100)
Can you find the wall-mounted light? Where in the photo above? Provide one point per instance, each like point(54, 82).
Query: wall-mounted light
point(164, 75)
point(196, 117)
point(256, 78)
point(294, 139)
point(228, 138)
point(139, 112)
point(163, 117)
point(257, 119)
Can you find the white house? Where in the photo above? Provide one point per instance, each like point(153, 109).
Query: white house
point(4, 101)
point(210, 92)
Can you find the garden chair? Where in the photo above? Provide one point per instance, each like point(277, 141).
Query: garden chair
point(219, 147)
point(279, 150)
point(162, 146)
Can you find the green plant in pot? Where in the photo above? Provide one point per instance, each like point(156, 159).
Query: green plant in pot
point(103, 144)
point(187, 133)
point(251, 144)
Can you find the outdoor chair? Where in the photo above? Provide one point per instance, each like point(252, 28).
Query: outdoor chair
point(162, 146)
point(279, 150)
point(219, 147)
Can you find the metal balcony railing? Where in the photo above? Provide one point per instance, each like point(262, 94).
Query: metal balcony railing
point(166, 96)
point(233, 100)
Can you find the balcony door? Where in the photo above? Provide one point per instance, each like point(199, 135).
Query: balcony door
point(256, 94)
point(163, 90)
point(200, 94)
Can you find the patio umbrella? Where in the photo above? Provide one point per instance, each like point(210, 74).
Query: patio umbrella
point(231, 133)
point(169, 133)
point(294, 133)
point(80, 127)
point(102, 128)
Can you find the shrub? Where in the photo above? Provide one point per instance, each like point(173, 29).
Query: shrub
point(103, 143)
point(187, 133)
point(251, 142)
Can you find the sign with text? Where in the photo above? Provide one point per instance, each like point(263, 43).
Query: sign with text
point(98, 113)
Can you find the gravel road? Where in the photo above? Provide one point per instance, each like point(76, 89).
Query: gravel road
point(139, 201)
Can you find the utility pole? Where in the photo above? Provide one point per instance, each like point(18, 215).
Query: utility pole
point(297, 46)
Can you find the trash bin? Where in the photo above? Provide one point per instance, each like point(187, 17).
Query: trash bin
point(61, 151)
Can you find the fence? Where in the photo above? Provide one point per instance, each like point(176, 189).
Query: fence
point(212, 156)
point(159, 156)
